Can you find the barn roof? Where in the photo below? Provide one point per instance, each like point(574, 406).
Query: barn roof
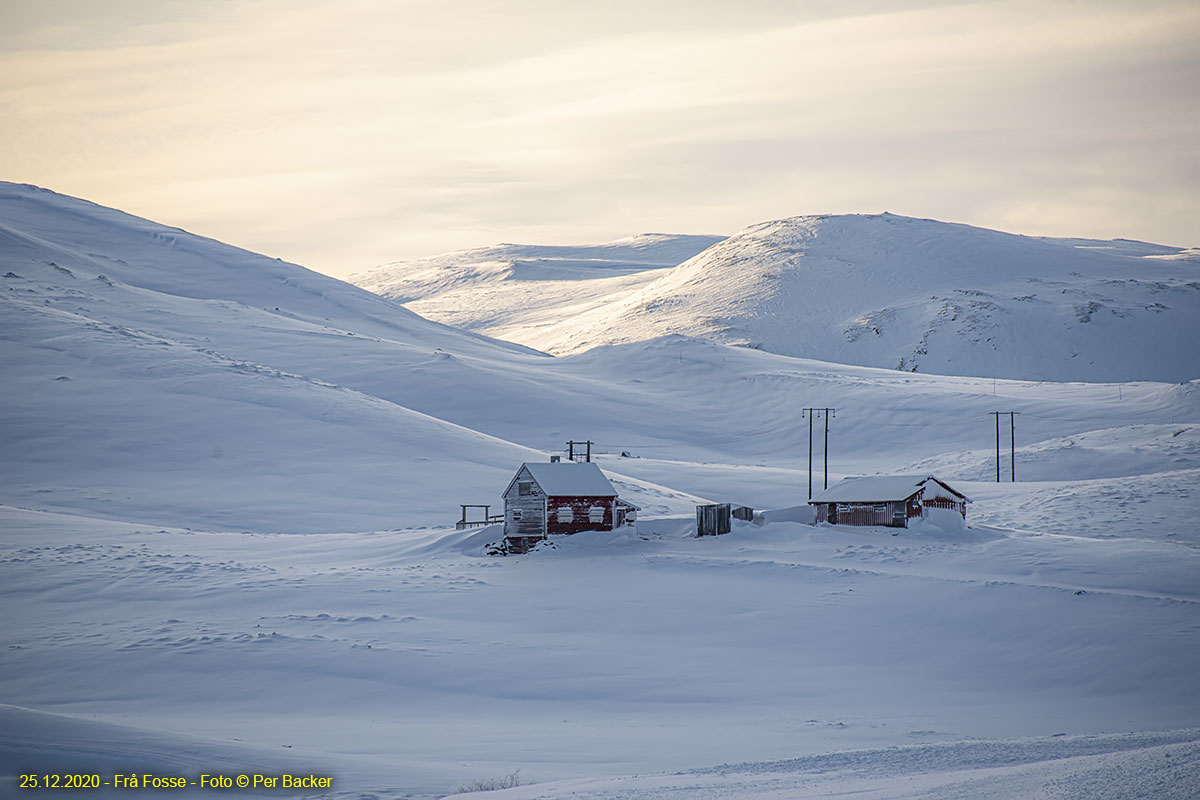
point(571, 479)
point(878, 489)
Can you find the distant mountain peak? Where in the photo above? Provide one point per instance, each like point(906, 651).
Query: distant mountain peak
point(881, 290)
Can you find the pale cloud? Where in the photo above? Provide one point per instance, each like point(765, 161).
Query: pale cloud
point(344, 136)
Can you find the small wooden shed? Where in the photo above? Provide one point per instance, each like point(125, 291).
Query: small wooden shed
point(889, 500)
point(560, 497)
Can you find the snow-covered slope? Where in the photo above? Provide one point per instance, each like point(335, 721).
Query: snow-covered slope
point(1155, 765)
point(876, 290)
point(511, 290)
point(413, 280)
point(156, 375)
point(71, 241)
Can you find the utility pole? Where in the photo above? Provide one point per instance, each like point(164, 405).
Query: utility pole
point(810, 413)
point(826, 448)
point(1012, 444)
point(571, 450)
point(828, 414)
point(1012, 447)
point(997, 414)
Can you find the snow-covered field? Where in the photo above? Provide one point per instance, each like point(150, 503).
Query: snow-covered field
point(408, 661)
point(227, 503)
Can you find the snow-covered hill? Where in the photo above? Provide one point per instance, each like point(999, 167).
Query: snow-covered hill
point(511, 290)
point(413, 280)
point(876, 290)
point(156, 375)
point(174, 411)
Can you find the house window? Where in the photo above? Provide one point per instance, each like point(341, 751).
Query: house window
point(596, 514)
point(565, 514)
point(524, 488)
point(516, 515)
point(881, 506)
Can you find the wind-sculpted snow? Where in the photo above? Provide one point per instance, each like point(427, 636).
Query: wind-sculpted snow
point(876, 290)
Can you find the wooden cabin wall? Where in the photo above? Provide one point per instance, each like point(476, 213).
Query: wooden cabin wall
point(580, 506)
point(532, 507)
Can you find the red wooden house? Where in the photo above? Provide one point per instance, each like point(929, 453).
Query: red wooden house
point(560, 497)
point(890, 500)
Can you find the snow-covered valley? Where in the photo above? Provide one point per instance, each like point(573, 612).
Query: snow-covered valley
point(229, 487)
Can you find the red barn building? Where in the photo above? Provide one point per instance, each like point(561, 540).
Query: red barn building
point(890, 500)
point(560, 497)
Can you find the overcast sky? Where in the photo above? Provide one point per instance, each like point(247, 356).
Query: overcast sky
point(342, 135)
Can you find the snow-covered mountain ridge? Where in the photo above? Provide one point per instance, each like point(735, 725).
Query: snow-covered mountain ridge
point(411, 280)
point(511, 289)
point(875, 290)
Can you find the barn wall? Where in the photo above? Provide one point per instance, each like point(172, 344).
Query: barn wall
point(532, 507)
point(866, 514)
point(579, 507)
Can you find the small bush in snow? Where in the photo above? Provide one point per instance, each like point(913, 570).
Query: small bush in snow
point(491, 784)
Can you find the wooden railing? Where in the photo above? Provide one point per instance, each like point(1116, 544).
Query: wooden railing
point(488, 517)
point(471, 523)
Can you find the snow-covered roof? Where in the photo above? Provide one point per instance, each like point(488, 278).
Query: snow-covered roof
point(877, 489)
point(568, 478)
